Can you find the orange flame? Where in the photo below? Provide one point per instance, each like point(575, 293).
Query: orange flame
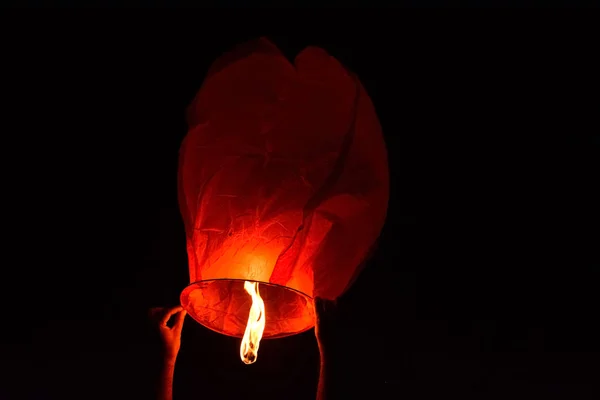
point(255, 326)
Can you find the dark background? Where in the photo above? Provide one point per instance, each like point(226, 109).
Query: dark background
point(484, 283)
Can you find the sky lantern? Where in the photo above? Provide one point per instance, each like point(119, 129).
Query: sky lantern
point(283, 188)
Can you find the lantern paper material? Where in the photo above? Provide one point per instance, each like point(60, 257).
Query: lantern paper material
point(283, 179)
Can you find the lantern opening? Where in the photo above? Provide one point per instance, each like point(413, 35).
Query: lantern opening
point(223, 305)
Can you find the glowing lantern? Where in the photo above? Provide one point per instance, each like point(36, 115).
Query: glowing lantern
point(283, 180)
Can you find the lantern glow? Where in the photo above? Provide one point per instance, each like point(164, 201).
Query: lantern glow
point(283, 184)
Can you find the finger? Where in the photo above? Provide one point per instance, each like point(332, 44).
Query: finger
point(179, 322)
point(168, 314)
point(325, 309)
point(179, 325)
point(320, 306)
point(318, 302)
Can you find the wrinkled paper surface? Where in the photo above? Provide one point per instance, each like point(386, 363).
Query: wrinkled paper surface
point(283, 179)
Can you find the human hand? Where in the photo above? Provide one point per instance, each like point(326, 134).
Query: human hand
point(170, 335)
point(326, 315)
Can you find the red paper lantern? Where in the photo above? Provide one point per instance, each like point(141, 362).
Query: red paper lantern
point(283, 179)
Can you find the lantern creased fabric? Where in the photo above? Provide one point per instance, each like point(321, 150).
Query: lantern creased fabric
point(283, 179)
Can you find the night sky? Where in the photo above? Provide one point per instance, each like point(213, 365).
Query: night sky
point(484, 283)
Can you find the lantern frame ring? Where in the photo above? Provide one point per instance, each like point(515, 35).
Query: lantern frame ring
point(197, 285)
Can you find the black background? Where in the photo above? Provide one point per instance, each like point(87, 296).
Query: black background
point(484, 283)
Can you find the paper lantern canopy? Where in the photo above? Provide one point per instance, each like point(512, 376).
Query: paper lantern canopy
point(283, 180)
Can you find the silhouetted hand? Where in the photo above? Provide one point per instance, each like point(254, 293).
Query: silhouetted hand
point(171, 336)
point(325, 314)
point(325, 327)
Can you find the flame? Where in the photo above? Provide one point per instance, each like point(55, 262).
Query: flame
point(255, 326)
